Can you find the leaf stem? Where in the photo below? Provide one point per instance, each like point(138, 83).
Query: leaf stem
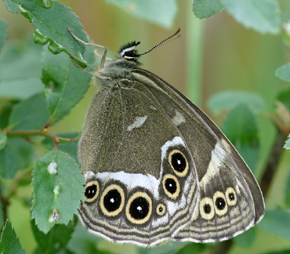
point(44, 133)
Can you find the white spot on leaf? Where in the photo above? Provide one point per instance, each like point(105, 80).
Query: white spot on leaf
point(54, 216)
point(139, 121)
point(52, 168)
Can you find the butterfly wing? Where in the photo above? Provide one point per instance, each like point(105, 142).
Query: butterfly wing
point(140, 184)
point(230, 197)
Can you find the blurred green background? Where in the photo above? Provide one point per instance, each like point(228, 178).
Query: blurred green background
point(211, 55)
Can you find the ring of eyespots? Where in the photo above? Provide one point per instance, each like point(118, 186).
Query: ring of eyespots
point(220, 202)
point(139, 208)
point(92, 190)
point(112, 200)
point(206, 208)
point(160, 209)
point(178, 162)
point(171, 186)
point(231, 196)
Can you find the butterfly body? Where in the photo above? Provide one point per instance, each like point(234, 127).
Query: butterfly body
point(157, 168)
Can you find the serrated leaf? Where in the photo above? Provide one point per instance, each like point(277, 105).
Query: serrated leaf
point(158, 12)
point(241, 129)
point(51, 22)
point(284, 97)
point(3, 33)
point(206, 8)
point(71, 148)
point(23, 56)
point(56, 239)
point(3, 140)
point(260, 15)
point(9, 241)
point(57, 190)
point(283, 72)
point(287, 143)
point(12, 7)
point(15, 156)
point(29, 114)
point(276, 222)
point(246, 239)
point(229, 99)
point(65, 84)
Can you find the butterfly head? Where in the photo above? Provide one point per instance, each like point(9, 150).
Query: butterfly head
point(128, 51)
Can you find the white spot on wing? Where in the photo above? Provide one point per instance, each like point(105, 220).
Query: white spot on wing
point(139, 121)
point(178, 118)
point(217, 157)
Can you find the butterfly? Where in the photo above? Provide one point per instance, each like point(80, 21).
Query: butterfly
point(156, 167)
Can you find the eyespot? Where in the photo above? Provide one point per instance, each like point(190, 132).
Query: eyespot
point(112, 200)
point(178, 162)
point(206, 208)
point(92, 191)
point(231, 196)
point(139, 208)
point(160, 209)
point(220, 203)
point(171, 186)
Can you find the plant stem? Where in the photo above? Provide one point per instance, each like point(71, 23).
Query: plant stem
point(273, 161)
point(28, 133)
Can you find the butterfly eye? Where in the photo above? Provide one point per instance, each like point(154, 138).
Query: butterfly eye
point(112, 200)
point(231, 196)
point(139, 208)
point(178, 163)
point(206, 208)
point(92, 191)
point(220, 203)
point(171, 186)
point(160, 209)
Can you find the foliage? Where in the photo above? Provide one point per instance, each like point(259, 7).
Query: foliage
point(39, 85)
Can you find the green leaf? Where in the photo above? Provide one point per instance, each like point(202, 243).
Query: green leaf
point(15, 156)
point(206, 8)
point(29, 114)
point(57, 190)
point(278, 252)
point(287, 143)
point(3, 33)
point(283, 72)
point(51, 22)
point(167, 248)
point(284, 97)
point(9, 241)
point(191, 248)
point(56, 239)
point(71, 148)
point(246, 239)
point(5, 111)
point(276, 222)
point(65, 84)
point(3, 140)
point(260, 15)
point(229, 99)
point(23, 56)
point(12, 6)
point(241, 129)
point(158, 12)
point(84, 242)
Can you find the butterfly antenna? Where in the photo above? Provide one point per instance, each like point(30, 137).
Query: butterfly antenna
point(171, 37)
